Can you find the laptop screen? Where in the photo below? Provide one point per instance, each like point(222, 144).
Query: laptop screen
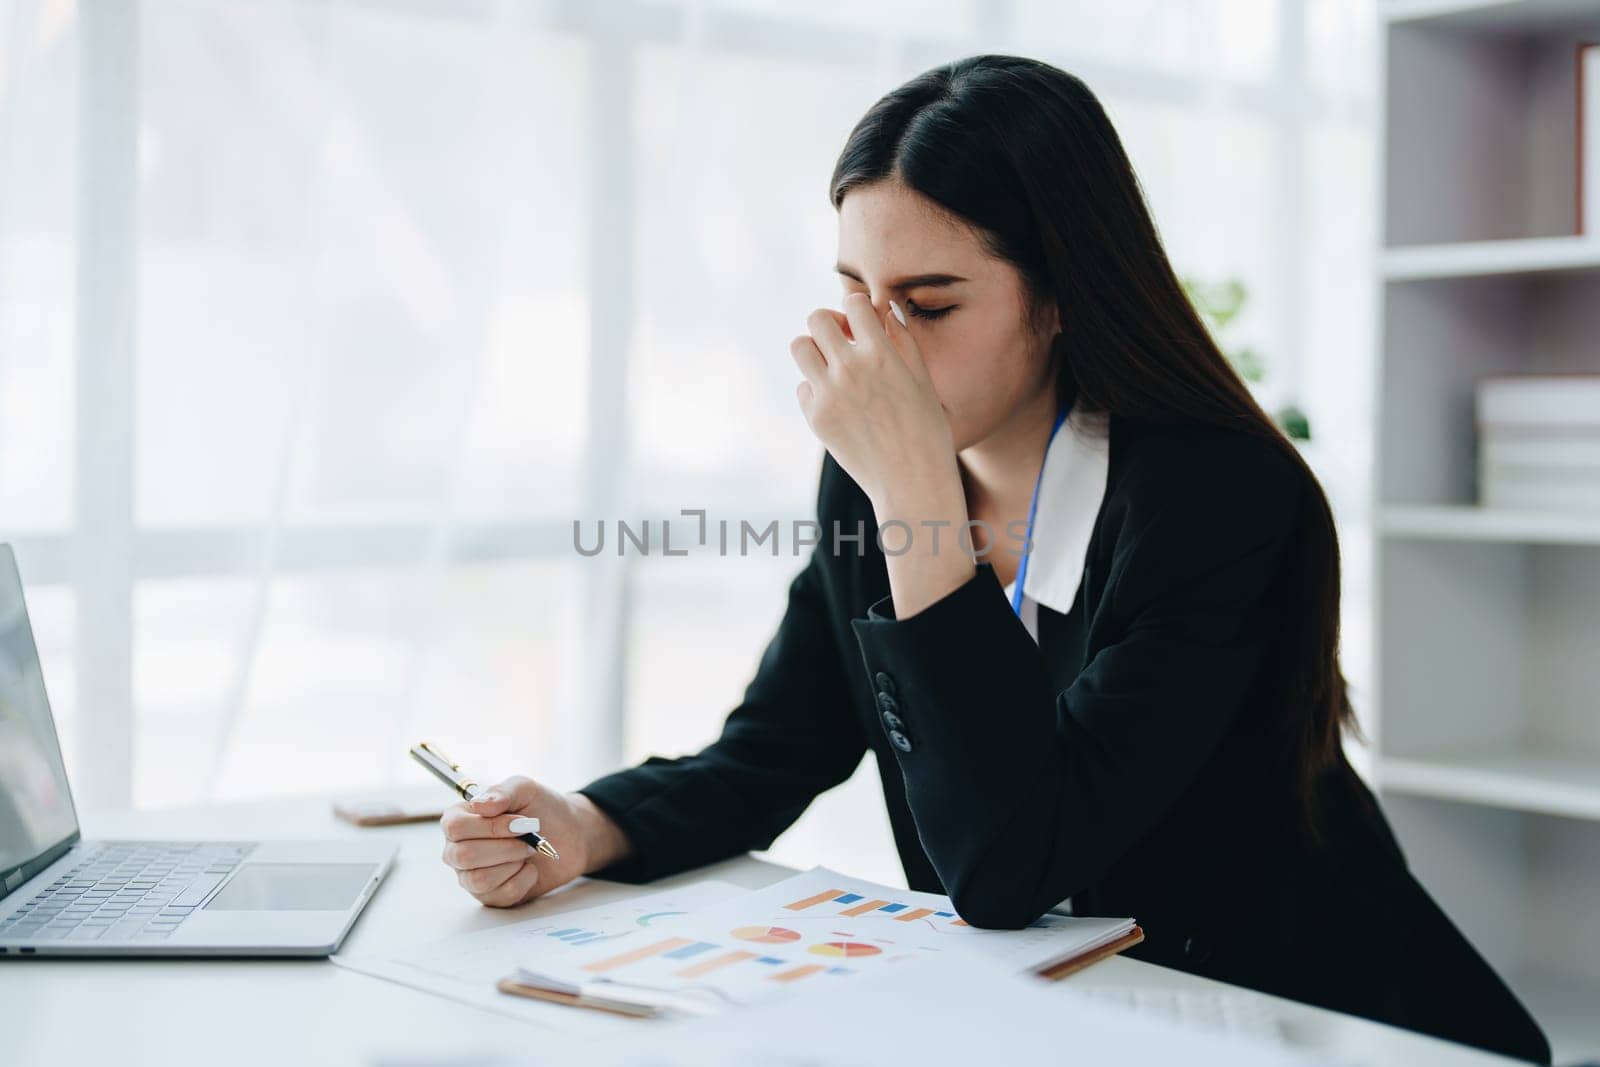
point(36, 812)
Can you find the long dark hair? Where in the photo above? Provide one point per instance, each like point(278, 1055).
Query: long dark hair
point(1024, 152)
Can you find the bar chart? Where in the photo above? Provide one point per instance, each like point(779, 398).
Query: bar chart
point(855, 905)
point(575, 935)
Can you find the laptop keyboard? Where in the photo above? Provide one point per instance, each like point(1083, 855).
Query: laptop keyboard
point(126, 890)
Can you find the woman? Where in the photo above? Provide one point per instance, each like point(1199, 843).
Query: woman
point(1138, 709)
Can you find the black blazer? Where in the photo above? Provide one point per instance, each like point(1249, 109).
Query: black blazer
point(1117, 762)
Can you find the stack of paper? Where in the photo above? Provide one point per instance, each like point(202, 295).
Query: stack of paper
point(1539, 443)
point(465, 967)
point(813, 930)
point(950, 1011)
point(947, 1012)
point(832, 970)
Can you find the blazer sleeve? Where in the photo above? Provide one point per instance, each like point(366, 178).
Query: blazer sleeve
point(791, 737)
point(1023, 794)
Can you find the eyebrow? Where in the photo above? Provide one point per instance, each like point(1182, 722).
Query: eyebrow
point(915, 281)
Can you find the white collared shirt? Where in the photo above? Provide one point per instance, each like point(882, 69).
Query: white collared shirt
point(1071, 489)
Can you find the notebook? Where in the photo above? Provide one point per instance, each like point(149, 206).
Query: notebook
point(819, 928)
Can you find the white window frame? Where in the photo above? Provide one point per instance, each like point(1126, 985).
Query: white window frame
point(105, 553)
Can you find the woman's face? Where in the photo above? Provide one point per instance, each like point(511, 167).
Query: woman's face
point(966, 309)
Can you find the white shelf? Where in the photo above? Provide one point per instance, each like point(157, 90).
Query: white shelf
point(1484, 14)
point(1467, 522)
point(1548, 782)
point(1476, 259)
point(1417, 10)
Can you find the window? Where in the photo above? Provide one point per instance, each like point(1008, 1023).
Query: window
point(320, 323)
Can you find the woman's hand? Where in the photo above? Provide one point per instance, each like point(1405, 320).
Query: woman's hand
point(500, 869)
point(872, 403)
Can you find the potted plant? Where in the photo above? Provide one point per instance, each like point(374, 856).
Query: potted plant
point(1219, 304)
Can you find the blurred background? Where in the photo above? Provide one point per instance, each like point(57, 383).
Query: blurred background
point(321, 320)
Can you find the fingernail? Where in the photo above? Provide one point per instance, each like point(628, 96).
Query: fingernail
point(901, 315)
point(487, 797)
point(525, 824)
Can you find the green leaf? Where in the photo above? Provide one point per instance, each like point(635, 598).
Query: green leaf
point(1248, 363)
point(1295, 422)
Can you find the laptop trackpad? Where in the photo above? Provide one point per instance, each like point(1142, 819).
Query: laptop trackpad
point(293, 887)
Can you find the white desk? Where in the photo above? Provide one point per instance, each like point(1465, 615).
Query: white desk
point(128, 1012)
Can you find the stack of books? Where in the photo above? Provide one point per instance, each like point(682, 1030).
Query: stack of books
point(1539, 443)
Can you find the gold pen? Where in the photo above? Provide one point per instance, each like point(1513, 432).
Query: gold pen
point(448, 771)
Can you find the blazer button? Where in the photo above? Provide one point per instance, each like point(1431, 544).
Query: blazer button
point(888, 704)
point(884, 683)
point(891, 721)
point(1197, 949)
point(900, 740)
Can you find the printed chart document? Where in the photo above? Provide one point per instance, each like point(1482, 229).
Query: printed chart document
point(816, 928)
point(466, 967)
point(952, 1010)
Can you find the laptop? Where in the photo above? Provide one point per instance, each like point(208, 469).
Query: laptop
point(63, 896)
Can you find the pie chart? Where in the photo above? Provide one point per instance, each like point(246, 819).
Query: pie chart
point(646, 920)
point(767, 935)
point(845, 948)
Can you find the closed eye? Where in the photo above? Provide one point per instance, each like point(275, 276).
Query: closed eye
point(929, 313)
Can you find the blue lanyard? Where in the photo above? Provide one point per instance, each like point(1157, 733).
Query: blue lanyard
point(1033, 506)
